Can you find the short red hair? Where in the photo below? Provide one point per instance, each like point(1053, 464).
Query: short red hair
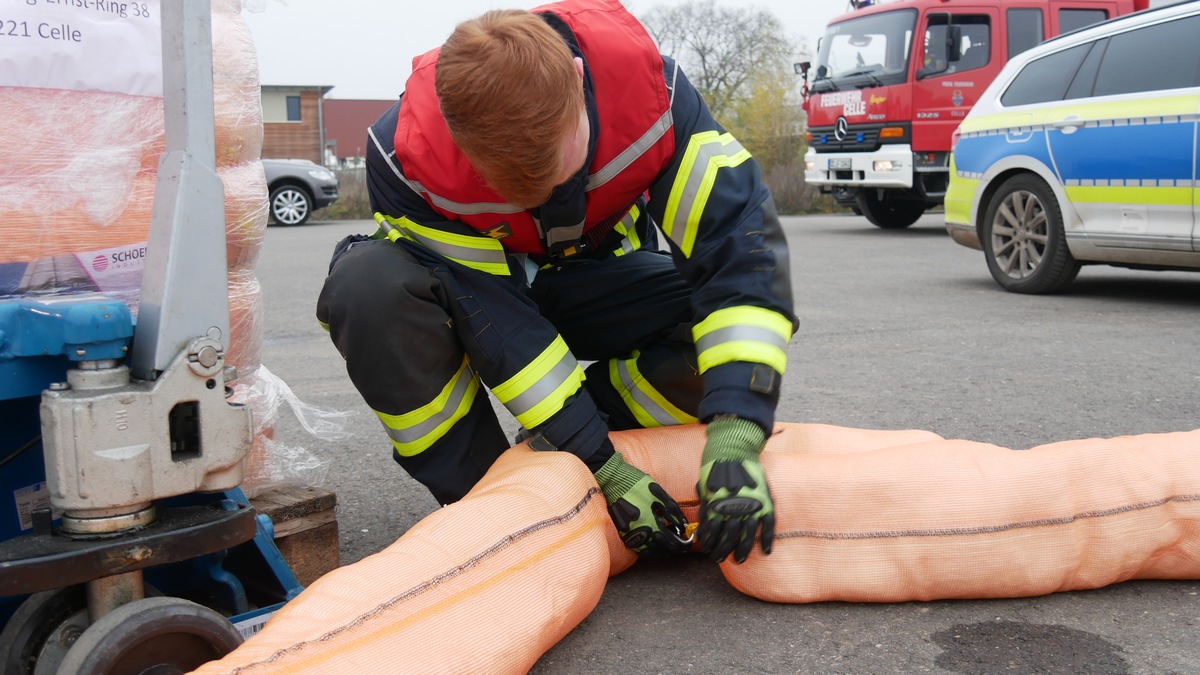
point(511, 96)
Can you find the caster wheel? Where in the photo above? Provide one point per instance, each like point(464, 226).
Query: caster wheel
point(40, 632)
point(154, 636)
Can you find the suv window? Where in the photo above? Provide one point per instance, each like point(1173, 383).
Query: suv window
point(1045, 79)
point(1074, 19)
point(1164, 56)
point(1026, 29)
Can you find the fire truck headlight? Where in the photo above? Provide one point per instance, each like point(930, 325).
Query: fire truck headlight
point(810, 166)
point(883, 165)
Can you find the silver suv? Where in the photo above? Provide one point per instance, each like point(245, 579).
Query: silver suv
point(297, 187)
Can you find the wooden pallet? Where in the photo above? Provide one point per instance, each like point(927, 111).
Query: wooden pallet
point(306, 529)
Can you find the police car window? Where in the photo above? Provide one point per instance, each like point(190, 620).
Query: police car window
point(1026, 29)
point(1074, 19)
point(1163, 56)
point(1045, 79)
point(1085, 77)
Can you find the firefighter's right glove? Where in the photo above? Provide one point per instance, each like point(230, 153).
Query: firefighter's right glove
point(734, 499)
point(647, 518)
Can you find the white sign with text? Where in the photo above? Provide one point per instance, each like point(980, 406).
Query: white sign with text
point(84, 45)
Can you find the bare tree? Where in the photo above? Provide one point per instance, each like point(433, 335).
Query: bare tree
point(720, 48)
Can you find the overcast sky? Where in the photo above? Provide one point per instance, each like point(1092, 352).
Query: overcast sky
point(364, 48)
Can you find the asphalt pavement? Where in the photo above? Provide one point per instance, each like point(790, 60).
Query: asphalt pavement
point(898, 330)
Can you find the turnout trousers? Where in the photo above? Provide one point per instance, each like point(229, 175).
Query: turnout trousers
point(424, 340)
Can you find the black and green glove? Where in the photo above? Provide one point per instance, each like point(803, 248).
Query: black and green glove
point(734, 499)
point(647, 518)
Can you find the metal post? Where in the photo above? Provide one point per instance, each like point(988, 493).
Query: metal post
point(184, 291)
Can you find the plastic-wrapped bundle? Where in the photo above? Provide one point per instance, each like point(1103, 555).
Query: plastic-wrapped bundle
point(239, 129)
point(78, 183)
point(485, 585)
point(80, 166)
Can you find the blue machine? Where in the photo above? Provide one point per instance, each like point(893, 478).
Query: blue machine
point(40, 340)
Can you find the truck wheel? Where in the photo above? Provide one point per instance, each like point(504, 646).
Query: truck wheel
point(889, 209)
point(1023, 239)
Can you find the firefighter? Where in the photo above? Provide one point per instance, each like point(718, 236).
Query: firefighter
point(519, 184)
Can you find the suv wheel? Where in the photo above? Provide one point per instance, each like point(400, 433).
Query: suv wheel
point(1023, 238)
point(290, 205)
point(889, 209)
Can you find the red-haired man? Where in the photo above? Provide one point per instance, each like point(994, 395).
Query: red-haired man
point(518, 184)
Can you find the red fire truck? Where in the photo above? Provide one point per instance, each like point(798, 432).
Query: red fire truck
point(892, 81)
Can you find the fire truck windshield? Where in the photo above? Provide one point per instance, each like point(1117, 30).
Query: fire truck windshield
point(866, 51)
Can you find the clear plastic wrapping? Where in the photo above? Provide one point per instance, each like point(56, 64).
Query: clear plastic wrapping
point(272, 461)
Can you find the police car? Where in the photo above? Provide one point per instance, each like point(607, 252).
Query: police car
point(1084, 150)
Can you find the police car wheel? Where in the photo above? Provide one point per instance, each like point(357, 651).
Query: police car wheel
point(1023, 239)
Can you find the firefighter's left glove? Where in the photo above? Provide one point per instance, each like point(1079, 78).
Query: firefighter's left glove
point(735, 502)
point(647, 518)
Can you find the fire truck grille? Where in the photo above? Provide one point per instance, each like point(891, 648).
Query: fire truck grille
point(859, 138)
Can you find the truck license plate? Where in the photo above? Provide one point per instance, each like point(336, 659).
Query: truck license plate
point(839, 163)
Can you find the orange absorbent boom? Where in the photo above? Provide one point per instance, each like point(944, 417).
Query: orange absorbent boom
point(492, 582)
point(485, 585)
point(893, 516)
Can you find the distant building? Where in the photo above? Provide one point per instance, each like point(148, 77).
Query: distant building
point(346, 122)
point(293, 121)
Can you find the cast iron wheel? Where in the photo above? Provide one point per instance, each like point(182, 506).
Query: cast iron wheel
point(40, 632)
point(1023, 239)
point(290, 205)
point(889, 209)
point(154, 636)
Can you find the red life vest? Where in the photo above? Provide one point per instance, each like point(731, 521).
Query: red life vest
point(634, 143)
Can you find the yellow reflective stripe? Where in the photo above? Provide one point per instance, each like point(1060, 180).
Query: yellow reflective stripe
point(1135, 108)
point(625, 226)
point(707, 152)
point(477, 252)
point(1152, 110)
point(1005, 121)
point(959, 195)
point(541, 388)
point(747, 333)
point(1114, 194)
point(413, 432)
point(649, 407)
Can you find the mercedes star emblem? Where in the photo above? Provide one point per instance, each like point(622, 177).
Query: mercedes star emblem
point(841, 129)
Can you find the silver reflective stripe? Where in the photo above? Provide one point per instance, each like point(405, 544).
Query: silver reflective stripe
point(674, 77)
point(544, 387)
point(463, 253)
point(441, 202)
point(456, 398)
point(655, 411)
point(570, 233)
point(630, 154)
point(687, 200)
point(627, 244)
point(737, 333)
